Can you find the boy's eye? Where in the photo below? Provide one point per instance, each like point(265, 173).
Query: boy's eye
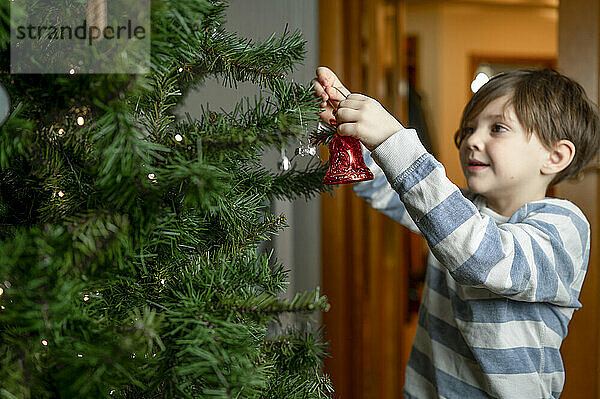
point(497, 128)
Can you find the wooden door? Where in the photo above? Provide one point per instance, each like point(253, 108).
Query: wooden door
point(366, 256)
point(578, 57)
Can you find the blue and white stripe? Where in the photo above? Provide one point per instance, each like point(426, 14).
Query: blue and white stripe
point(499, 294)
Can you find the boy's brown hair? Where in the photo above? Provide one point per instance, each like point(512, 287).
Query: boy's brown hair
point(549, 105)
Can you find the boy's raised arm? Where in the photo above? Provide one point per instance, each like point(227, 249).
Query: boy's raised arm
point(380, 195)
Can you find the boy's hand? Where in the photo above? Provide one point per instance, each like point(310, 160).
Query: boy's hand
point(331, 90)
point(364, 118)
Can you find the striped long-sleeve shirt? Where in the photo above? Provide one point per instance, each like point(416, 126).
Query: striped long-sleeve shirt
point(499, 292)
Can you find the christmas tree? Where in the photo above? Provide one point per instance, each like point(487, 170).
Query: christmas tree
point(129, 238)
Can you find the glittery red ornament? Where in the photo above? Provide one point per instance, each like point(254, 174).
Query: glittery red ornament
point(346, 163)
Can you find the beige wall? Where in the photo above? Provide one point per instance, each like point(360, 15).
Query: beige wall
point(448, 35)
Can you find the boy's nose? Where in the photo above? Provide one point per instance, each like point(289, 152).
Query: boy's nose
point(475, 140)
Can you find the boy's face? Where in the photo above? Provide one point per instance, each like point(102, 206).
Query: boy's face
point(500, 160)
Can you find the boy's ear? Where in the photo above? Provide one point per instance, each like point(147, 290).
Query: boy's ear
point(559, 157)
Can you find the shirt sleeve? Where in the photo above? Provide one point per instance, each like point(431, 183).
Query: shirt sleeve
point(381, 196)
point(539, 255)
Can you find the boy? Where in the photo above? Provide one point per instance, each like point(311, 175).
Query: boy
point(507, 263)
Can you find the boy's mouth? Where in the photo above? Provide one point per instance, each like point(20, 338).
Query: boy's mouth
point(475, 165)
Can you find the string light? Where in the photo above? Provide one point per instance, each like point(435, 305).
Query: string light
point(80, 120)
point(1, 291)
point(178, 137)
point(44, 342)
point(60, 194)
point(72, 71)
point(61, 131)
point(151, 176)
point(162, 281)
point(79, 355)
point(86, 298)
point(2, 307)
point(180, 69)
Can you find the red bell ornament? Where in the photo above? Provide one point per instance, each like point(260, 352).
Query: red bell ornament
point(346, 163)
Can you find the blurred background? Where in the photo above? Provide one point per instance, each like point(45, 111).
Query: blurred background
point(422, 59)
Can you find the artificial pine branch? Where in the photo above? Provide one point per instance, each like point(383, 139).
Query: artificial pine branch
point(15, 138)
point(4, 27)
point(239, 60)
point(295, 183)
point(267, 305)
point(126, 157)
point(250, 127)
point(298, 349)
point(204, 48)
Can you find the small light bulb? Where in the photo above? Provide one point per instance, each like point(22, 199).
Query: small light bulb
point(180, 69)
point(162, 281)
point(133, 356)
point(79, 355)
point(86, 298)
point(2, 291)
point(44, 342)
point(151, 176)
point(72, 71)
point(61, 131)
point(80, 120)
point(60, 194)
point(178, 137)
point(2, 307)
point(111, 392)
